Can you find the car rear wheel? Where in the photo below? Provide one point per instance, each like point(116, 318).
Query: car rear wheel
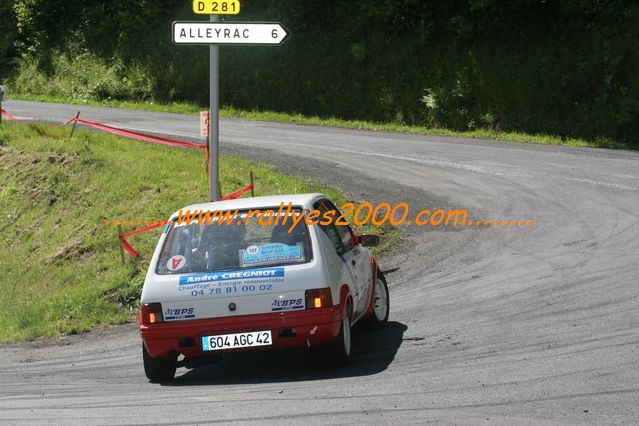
point(381, 303)
point(340, 350)
point(158, 369)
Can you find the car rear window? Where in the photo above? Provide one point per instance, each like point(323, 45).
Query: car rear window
point(247, 242)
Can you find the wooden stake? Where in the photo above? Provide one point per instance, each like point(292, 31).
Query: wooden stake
point(252, 185)
point(120, 244)
point(75, 123)
point(208, 152)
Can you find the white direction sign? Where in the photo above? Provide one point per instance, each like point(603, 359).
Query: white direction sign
point(256, 33)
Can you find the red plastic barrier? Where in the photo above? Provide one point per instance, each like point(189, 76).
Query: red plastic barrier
point(236, 194)
point(129, 249)
point(136, 135)
point(9, 116)
point(120, 132)
point(141, 230)
point(26, 123)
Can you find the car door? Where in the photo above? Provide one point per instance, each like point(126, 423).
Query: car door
point(355, 258)
point(360, 262)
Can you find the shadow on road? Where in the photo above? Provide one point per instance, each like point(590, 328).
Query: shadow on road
point(373, 351)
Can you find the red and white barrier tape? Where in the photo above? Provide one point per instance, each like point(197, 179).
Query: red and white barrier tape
point(136, 135)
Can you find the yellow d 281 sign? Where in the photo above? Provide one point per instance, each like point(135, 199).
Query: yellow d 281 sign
point(216, 7)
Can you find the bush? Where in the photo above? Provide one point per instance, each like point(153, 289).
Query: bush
point(82, 76)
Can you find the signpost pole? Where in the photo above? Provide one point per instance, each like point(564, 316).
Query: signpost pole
point(216, 33)
point(215, 118)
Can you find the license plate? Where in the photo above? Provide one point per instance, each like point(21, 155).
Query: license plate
point(238, 340)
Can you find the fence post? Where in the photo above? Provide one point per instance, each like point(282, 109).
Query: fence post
point(3, 93)
point(75, 123)
point(120, 243)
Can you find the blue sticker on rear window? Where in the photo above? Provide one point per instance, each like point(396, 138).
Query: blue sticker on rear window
point(265, 254)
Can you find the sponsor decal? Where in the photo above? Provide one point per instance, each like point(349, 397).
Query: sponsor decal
point(266, 254)
point(208, 289)
point(172, 314)
point(248, 276)
point(176, 263)
point(287, 304)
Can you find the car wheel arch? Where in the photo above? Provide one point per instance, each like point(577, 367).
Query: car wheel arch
point(371, 301)
point(345, 296)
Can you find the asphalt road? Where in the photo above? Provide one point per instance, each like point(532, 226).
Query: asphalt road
point(504, 324)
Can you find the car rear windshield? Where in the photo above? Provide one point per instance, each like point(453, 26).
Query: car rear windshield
point(248, 241)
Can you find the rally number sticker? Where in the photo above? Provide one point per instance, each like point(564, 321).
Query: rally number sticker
point(176, 263)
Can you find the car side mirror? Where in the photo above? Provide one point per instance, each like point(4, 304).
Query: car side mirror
point(369, 240)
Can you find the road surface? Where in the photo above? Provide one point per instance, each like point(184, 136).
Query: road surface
point(503, 324)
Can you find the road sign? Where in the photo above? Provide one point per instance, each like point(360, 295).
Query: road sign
point(209, 7)
point(248, 33)
point(213, 34)
point(205, 122)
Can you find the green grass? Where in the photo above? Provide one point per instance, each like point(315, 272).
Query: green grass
point(278, 117)
point(61, 270)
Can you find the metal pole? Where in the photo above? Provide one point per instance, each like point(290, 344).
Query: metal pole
point(214, 155)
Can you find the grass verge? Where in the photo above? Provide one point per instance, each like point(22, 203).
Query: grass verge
point(61, 270)
point(278, 117)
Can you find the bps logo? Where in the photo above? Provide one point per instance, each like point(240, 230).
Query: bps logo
point(287, 305)
point(179, 313)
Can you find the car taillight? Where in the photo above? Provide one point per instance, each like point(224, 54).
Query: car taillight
point(151, 313)
point(318, 298)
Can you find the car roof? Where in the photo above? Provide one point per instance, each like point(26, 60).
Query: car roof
point(303, 200)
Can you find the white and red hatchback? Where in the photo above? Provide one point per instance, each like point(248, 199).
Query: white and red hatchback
point(257, 282)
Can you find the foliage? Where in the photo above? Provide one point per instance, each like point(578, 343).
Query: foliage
point(82, 75)
point(563, 67)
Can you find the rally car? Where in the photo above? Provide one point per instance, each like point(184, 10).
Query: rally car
point(249, 277)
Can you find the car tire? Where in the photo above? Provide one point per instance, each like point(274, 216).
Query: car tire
point(340, 350)
point(381, 303)
point(158, 369)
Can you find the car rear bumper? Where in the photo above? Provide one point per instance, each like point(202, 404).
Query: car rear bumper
point(288, 330)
